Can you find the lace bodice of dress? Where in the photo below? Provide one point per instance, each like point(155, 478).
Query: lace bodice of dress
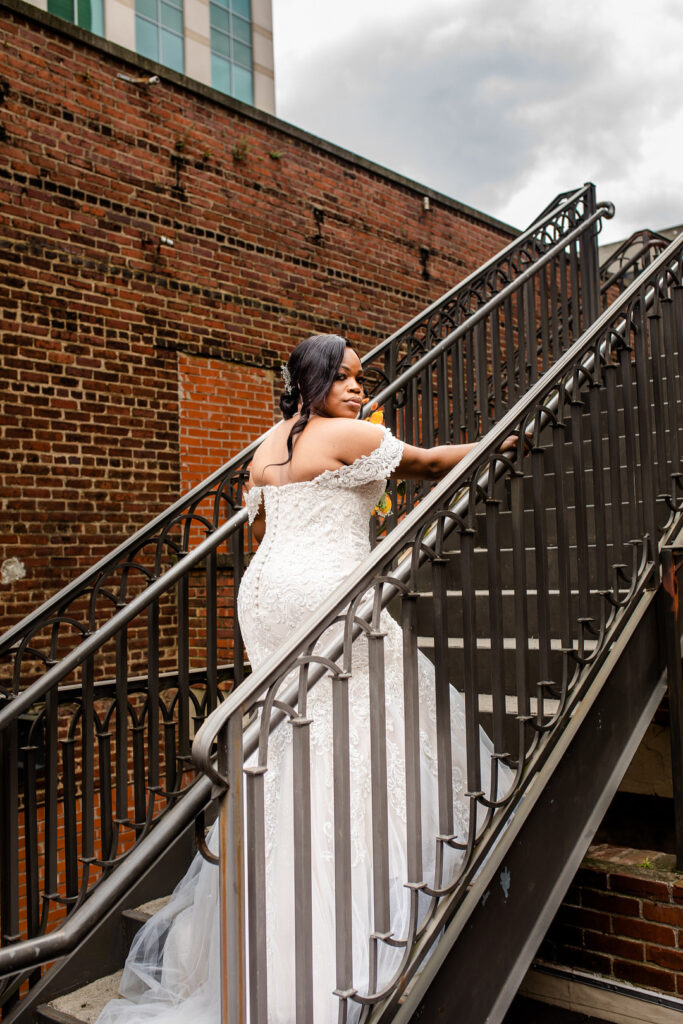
point(316, 533)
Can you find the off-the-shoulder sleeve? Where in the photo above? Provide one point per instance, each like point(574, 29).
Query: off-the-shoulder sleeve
point(254, 495)
point(378, 465)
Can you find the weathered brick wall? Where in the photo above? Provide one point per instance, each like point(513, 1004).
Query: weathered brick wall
point(274, 234)
point(622, 918)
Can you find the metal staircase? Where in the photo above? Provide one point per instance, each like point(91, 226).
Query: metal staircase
point(528, 578)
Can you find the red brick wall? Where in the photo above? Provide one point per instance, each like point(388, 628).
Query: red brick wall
point(274, 234)
point(622, 918)
point(223, 406)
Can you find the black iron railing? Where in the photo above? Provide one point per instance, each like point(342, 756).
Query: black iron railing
point(573, 522)
point(93, 762)
point(628, 261)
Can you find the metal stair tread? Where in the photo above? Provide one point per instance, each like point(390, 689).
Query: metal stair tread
point(550, 704)
point(483, 643)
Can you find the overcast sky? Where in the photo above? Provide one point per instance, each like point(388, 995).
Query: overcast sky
point(500, 104)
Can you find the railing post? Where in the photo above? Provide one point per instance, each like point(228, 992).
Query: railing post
point(672, 639)
point(590, 266)
point(231, 868)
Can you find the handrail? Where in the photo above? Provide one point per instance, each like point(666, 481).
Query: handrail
point(130, 546)
point(625, 369)
point(604, 209)
point(628, 257)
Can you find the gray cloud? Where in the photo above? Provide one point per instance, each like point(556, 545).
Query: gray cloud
point(481, 100)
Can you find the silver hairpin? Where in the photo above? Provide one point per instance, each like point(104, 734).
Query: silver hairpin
point(287, 378)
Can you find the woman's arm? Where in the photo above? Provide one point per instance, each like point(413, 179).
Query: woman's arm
point(433, 463)
point(258, 522)
point(258, 527)
point(347, 440)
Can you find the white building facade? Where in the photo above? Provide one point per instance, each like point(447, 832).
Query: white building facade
point(226, 44)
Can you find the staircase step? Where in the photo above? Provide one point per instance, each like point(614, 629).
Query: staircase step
point(133, 920)
point(505, 565)
point(485, 664)
point(82, 1006)
point(510, 610)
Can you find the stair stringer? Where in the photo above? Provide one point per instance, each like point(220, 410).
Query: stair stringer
point(492, 937)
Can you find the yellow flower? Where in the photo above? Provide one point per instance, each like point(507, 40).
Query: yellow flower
point(383, 506)
point(377, 417)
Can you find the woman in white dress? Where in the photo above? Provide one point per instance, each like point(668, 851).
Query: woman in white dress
point(314, 483)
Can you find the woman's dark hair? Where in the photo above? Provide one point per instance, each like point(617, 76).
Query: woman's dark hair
point(312, 368)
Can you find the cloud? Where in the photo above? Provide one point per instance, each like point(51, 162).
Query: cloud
point(498, 106)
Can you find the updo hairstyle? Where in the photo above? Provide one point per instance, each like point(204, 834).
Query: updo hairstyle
point(312, 368)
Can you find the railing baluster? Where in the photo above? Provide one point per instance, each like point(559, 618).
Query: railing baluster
point(574, 292)
point(633, 504)
point(87, 764)
point(564, 581)
point(555, 328)
point(470, 387)
point(50, 786)
point(470, 665)
point(530, 330)
point(342, 845)
point(442, 694)
point(70, 823)
point(32, 904)
point(122, 726)
point(579, 476)
point(537, 457)
point(231, 868)
point(599, 509)
point(211, 631)
point(563, 274)
point(479, 341)
point(442, 400)
point(610, 372)
point(521, 611)
point(545, 327)
point(645, 437)
point(153, 695)
point(183, 597)
point(512, 380)
point(672, 396)
point(496, 623)
point(104, 761)
point(496, 371)
point(378, 770)
point(411, 724)
point(256, 894)
point(662, 448)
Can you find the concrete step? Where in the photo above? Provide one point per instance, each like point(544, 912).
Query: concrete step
point(84, 1005)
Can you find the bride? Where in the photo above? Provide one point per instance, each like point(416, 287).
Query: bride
point(314, 483)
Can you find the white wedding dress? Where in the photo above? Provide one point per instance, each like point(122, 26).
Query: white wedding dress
point(317, 533)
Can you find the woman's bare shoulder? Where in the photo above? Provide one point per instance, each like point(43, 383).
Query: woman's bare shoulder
point(345, 439)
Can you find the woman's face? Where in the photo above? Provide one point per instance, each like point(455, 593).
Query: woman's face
point(346, 395)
